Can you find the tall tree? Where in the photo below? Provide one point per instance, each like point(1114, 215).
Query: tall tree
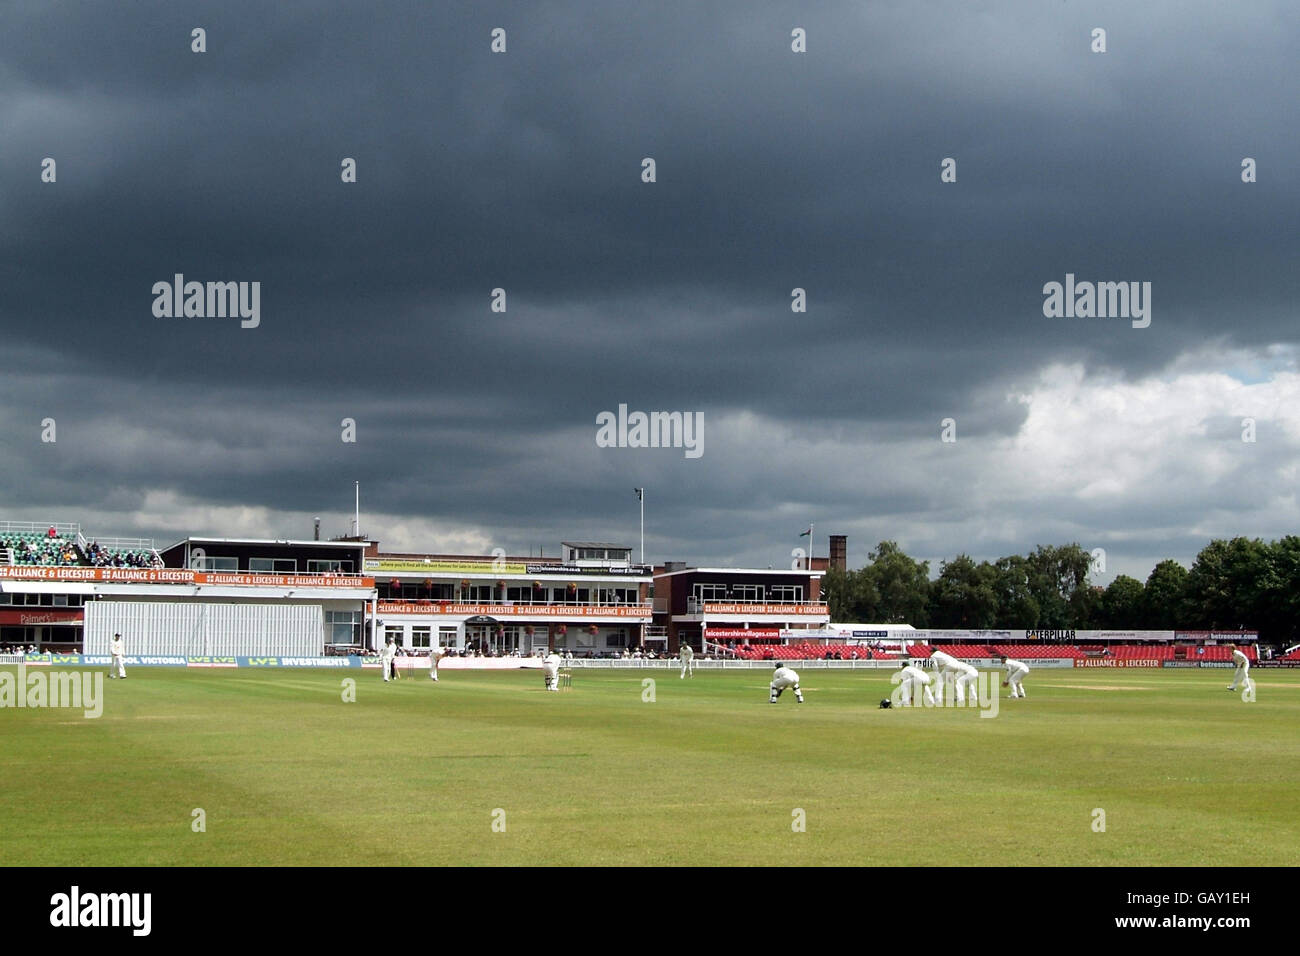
point(1055, 575)
point(850, 596)
point(1229, 582)
point(1121, 604)
point(903, 585)
point(1164, 599)
point(1018, 606)
point(835, 592)
point(965, 595)
point(1282, 599)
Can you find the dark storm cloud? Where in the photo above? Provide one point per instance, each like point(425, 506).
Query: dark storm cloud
point(522, 171)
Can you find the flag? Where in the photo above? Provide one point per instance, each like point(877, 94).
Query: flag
point(639, 493)
point(805, 534)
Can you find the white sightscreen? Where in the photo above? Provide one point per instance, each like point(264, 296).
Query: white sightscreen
point(206, 630)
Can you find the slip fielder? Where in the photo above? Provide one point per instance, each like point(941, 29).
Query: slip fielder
point(912, 677)
point(1016, 671)
point(964, 675)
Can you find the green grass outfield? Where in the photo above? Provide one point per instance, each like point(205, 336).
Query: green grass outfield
point(710, 773)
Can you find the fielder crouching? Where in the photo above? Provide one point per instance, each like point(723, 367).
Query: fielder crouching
point(910, 677)
point(1016, 671)
point(782, 678)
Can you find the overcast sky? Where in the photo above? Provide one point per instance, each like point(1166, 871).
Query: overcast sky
point(775, 170)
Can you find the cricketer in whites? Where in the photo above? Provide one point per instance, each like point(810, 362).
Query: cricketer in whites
point(118, 651)
point(1016, 671)
point(964, 676)
point(912, 677)
point(435, 655)
point(551, 670)
point(1243, 669)
point(386, 658)
point(782, 678)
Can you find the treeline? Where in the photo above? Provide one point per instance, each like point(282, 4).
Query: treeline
point(1243, 583)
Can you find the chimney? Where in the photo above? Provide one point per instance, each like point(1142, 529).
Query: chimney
point(839, 552)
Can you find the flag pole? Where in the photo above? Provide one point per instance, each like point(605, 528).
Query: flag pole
point(640, 496)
